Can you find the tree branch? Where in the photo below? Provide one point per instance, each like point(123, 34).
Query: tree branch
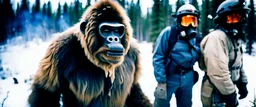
point(5, 98)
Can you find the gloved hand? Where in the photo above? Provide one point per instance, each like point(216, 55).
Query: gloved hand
point(161, 91)
point(230, 100)
point(242, 89)
point(196, 76)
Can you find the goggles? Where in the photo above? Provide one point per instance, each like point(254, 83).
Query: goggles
point(233, 18)
point(186, 20)
point(237, 17)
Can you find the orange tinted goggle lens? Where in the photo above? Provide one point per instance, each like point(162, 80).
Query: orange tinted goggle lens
point(189, 19)
point(233, 18)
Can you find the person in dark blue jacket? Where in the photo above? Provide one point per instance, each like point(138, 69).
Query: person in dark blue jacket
point(173, 65)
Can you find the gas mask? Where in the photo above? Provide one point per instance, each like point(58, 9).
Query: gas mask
point(236, 31)
point(188, 25)
point(235, 24)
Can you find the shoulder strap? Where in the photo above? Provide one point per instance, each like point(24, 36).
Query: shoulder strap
point(198, 40)
point(235, 52)
point(173, 37)
point(235, 49)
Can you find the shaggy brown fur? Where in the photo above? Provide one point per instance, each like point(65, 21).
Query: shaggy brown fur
point(76, 66)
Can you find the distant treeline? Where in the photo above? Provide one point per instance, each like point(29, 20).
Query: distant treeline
point(41, 21)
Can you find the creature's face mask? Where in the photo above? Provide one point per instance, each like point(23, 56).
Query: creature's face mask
point(112, 34)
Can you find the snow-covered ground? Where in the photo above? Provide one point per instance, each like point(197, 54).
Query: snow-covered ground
point(148, 82)
point(23, 63)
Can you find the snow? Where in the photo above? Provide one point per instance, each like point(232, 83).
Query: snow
point(23, 61)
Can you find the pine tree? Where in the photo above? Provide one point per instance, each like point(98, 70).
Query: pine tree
point(195, 4)
point(251, 28)
point(122, 2)
point(58, 14)
point(138, 22)
point(65, 8)
point(17, 9)
point(24, 6)
point(57, 20)
point(10, 17)
point(179, 3)
point(44, 22)
point(44, 10)
point(66, 13)
point(254, 100)
point(1, 25)
point(146, 25)
point(167, 12)
point(77, 11)
point(205, 23)
point(212, 11)
point(36, 13)
point(49, 10)
point(88, 3)
point(17, 24)
point(7, 19)
point(24, 19)
point(157, 21)
point(132, 15)
point(37, 6)
point(1, 12)
point(48, 21)
point(81, 10)
point(215, 4)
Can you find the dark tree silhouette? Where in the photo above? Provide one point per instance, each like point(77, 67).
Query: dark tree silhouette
point(167, 12)
point(36, 7)
point(122, 2)
point(6, 21)
point(215, 4)
point(138, 22)
point(205, 23)
point(194, 3)
point(251, 28)
point(58, 17)
point(49, 10)
point(132, 14)
point(44, 10)
point(179, 3)
point(23, 20)
point(157, 21)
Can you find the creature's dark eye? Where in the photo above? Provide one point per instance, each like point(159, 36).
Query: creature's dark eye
point(121, 31)
point(106, 30)
point(116, 31)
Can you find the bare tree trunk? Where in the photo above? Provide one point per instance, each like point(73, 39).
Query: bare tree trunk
point(167, 12)
point(138, 21)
